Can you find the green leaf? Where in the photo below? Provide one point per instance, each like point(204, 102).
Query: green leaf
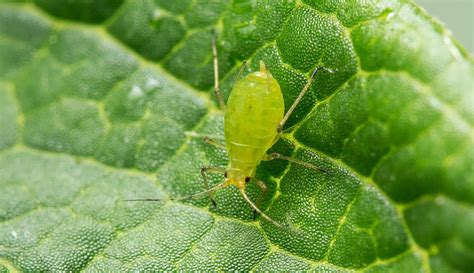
point(102, 101)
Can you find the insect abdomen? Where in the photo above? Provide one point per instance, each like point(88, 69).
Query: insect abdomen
point(254, 109)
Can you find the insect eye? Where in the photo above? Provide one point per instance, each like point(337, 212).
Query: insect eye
point(247, 179)
point(225, 174)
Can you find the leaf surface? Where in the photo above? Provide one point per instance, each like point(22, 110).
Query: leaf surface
point(98, 107)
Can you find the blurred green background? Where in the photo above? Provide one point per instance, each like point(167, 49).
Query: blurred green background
point(457, 15)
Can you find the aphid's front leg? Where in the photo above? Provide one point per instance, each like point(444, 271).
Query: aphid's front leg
point(217, 90)
point(300, 97)
point(264, 189)
point(205, 170)
point(294, 160)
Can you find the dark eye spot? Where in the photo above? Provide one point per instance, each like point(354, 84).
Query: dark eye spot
point(247, 179)
point(225, 174)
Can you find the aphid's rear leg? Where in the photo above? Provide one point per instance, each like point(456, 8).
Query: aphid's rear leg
point(241, 71)
point(294, 160)
point(205, 170)
point(214, 142)
point(264, 189)
point(300, 96)
point(217, 90)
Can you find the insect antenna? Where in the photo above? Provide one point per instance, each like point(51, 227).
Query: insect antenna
point(247, 199)
point(268, 218)
point(192, 196)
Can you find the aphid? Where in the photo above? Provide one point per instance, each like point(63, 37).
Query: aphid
point(253, 122)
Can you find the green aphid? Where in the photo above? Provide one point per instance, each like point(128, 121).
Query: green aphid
point(253, 122)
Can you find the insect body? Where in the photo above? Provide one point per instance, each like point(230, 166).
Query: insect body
point(254, 118)
point(254, 110)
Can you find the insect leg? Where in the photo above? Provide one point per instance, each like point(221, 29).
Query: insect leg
point(264, 189)
point(294, 160)
point(205, 170)
point(241, 71)
point(300, 96)
point(217, 90)
point(214, 142)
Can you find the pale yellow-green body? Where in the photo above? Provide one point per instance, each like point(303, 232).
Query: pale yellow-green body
point(254, 109)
